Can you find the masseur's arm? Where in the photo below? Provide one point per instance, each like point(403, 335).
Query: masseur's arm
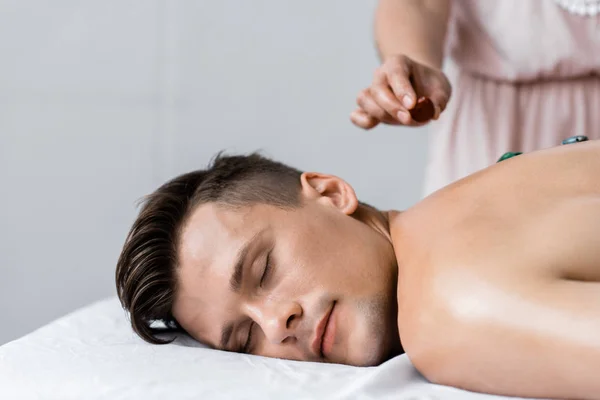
point(410, 38)
point(414, 28)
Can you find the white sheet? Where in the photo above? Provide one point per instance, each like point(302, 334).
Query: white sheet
point(93, 354)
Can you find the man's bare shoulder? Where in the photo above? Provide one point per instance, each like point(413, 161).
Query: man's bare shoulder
point(504, 212)
point(483, 259)
point(524, 217)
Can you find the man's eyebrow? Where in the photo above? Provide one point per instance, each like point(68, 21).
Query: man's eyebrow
point(235, 282)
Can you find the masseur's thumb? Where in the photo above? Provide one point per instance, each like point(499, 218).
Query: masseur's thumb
point(440, 100)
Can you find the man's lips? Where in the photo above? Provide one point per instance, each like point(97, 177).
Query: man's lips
point(320, 331)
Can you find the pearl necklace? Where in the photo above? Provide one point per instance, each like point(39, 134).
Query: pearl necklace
point(589, 8)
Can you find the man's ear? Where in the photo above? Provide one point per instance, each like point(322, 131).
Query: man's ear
point(329, 189)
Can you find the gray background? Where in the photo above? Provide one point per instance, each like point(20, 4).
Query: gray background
point(101, 101)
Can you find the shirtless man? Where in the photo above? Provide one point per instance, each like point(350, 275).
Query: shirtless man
point(491, 284)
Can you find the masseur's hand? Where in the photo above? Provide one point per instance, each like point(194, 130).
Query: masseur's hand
point(397, 86)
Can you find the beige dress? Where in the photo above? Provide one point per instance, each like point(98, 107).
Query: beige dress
point(525, 75)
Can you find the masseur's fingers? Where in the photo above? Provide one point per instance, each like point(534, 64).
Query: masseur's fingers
point(403, 92)
point(363, 120)
point(385, 98)
point(397, 76)
point(367, 102)
point(434, 85)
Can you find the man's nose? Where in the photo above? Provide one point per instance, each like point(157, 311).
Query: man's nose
point(277, 319)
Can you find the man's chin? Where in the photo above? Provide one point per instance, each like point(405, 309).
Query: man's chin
point(371, 359)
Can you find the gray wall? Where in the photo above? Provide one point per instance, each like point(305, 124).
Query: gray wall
point(101, 101)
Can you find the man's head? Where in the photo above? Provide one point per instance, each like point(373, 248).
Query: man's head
point(251, 255)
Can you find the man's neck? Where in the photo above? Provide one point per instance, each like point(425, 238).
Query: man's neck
point(377, 220)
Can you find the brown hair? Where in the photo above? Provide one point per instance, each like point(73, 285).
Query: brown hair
point(146, 270)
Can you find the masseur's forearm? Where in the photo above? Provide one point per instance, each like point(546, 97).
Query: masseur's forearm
point(415, 28)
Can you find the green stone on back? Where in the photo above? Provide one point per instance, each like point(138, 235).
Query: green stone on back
point(508, 155)
point(575, 139)
point(570, 140)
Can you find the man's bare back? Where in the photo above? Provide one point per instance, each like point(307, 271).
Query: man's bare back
point(499, 277)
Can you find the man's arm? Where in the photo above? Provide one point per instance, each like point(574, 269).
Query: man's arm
point(414, 28)
point(538, 340)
